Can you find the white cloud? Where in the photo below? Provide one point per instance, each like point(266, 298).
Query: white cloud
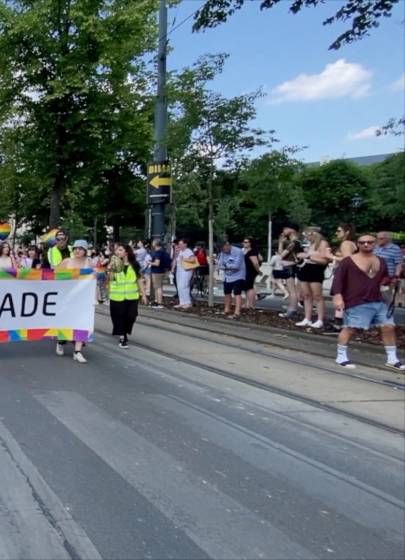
point(339, 79)
point(364, 134)
point(399, 85)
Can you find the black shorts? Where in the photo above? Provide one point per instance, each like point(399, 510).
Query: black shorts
point(312, 273)
point(236, 287)
point(287, 272)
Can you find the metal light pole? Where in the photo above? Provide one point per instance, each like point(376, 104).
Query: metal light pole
point(157, 204)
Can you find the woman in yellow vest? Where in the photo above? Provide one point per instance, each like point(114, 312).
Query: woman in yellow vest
point(124, 290)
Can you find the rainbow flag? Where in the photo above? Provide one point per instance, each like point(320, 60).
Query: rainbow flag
point(49, 238)
point(5, 230)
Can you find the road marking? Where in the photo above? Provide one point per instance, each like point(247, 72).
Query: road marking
point(218, 524)
point(34, 523)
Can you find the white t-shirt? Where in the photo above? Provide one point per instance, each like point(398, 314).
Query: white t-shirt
point(276, 262)
point(185, 254)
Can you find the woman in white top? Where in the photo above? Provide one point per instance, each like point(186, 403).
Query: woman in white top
point(79, 260)
point(6, 256)
point(184, 276)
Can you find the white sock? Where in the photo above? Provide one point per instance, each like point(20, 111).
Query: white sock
point(341, 354)
point(392, 357)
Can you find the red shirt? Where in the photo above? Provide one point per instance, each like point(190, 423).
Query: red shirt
point(355, 286)
point(201, 257)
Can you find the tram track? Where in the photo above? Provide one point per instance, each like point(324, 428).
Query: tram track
point(181, 329)
point(267, 386)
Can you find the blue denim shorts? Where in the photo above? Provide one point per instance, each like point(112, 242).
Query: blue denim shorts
point(367, 315)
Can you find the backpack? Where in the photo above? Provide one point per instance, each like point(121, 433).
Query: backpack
point(166, 261)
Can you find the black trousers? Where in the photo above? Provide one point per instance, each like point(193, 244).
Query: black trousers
point(123, 316)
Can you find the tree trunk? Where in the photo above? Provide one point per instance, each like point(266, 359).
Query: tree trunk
point(211, 238)
point(56, 199)
point(269, 236)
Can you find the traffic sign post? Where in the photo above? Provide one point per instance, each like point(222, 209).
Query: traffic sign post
point(159, 183)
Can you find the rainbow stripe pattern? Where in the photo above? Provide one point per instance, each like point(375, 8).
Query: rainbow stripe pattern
point(49, 238)
point(46, 274)
point(45, 334)
point(5, 230)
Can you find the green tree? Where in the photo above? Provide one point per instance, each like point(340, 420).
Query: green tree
point(387, 196)
point(364, 15)
point(212, 132)
point(337, 192)
point(272, 189)
point(73, 77)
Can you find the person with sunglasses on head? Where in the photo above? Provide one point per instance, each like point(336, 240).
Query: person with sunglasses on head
point(60, 251)
point(356, 292)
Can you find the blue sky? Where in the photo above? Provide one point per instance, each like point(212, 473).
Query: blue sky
point(327, 100)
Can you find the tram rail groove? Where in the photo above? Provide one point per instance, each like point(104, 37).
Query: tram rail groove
point(267, 353)
point(266, 387)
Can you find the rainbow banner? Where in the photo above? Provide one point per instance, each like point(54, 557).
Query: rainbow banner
point(47, 304)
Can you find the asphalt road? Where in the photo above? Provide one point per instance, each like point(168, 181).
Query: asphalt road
point(137, 455)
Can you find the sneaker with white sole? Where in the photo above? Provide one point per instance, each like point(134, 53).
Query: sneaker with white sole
point(346, 364)
point(123, 343)
point(304, 323)
point(60, 351)
point(78, 357)
point(317, 324)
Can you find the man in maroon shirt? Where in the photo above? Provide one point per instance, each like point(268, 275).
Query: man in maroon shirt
point(356, 291)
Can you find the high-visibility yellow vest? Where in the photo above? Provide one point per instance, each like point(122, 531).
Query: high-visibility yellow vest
point(55, 256)
point(124, 285)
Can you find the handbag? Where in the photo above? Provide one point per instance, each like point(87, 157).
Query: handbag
point(190, 265)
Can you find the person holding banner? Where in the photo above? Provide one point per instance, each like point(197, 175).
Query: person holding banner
point(79, 260)
point(58, 252)
point(124, 289)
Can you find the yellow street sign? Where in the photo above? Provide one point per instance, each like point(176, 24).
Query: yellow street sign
point(159, 182)
point(156, 182)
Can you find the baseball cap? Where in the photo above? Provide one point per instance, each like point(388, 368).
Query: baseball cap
point(81, 243)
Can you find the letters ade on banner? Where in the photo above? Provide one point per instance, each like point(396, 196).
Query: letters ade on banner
point(42, 304)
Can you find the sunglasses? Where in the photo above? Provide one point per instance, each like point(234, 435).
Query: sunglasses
point(366, 242)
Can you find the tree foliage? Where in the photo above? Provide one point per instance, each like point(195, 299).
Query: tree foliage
point(363, 15)
point(71, 74)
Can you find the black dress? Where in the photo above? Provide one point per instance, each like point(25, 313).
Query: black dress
point(251, 272)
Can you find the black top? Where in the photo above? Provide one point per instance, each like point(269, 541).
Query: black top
point(250, 269)
point(293, 247)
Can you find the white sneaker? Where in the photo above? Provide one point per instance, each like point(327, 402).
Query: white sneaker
point(317, 325)
point(78, 357)
point(304, 323)
point(60, 351)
